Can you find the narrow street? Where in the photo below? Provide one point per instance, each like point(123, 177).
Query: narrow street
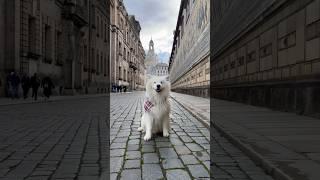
point(67, 139)
point(185, 155)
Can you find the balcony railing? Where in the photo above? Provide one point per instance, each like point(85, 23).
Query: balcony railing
point(77, 13)
point(133, 65)
point(80, 15)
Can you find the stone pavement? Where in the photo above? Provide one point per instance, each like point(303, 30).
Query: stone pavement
point(57, 140)
point(184, 155)
point(288, 145)
point(198, 105)
point(285, 144)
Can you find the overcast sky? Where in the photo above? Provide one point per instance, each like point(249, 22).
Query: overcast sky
point(158, 19)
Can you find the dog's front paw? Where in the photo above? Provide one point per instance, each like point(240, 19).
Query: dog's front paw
point(165, 133)
point(140, 129)
point(147, 137)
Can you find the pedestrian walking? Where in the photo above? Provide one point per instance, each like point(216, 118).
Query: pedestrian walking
point(25, 84)
point(47, 86)
point(15, 82)
point(9, 85)
point(35, 83)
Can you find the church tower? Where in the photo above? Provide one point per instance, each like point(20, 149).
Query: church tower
point(151, 58)
point(151, 46)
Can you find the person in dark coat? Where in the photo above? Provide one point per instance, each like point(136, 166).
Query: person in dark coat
point(35, 83)
point(25, 84)
point(47, 86)
point(121, 88)
point(9, 85)
point(118, 88)
point(15, 82)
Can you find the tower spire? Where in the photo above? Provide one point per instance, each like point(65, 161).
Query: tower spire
point(151, 45)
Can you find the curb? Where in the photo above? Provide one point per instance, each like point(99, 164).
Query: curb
point(55, 100)
point(205, 123)
point(257, 158)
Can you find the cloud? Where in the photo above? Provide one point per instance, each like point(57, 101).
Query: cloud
point(158, 20)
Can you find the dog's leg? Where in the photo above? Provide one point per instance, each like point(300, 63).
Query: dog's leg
point(148, 125)
point(166, 126)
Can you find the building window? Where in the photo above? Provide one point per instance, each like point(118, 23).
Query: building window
point(105, 66)
point(91, 65)
point(266, 50)
point(58, 48)
point(241, 61)
point(32, 35)
point(101, 24)
point(287, 41)
point(121, 24)
point(120, 48)
point(232, 66)
point(124, 53)
point(97, 63)
point(47, 44)
point(98, 25)
point(226, 67)
point(85, 57)
point(105, 32)
point(101, 63)
point(313, 30)
point(251, 57)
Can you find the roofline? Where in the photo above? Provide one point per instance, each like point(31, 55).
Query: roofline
point(182, 3)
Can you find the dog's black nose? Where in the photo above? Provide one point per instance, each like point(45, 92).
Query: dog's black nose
point(158, 86)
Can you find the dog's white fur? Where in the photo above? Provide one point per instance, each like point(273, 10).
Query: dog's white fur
point(157, 119)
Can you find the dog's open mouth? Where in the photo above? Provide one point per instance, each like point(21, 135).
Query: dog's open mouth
point(158, 90)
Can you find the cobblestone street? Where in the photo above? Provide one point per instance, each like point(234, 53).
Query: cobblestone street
point(55, 140)
point(67, 139)
point(184, 155)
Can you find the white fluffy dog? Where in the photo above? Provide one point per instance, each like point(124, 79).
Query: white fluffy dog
point(156, 107)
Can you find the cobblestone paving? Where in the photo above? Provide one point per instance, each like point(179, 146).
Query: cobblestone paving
point(184, 155)
point(230, 163)
point(56, 140)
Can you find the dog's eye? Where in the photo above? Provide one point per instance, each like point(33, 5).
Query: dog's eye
point(161, 82)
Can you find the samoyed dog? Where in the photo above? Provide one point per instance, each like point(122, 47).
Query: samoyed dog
point(155, 118)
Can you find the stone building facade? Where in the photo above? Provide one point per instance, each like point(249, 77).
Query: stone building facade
point(266, 53)
point(190, 56)
point(161, 69)
point(64, 39)
point(127, 54)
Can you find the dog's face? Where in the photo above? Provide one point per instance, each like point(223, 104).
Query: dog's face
point(158, 85)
